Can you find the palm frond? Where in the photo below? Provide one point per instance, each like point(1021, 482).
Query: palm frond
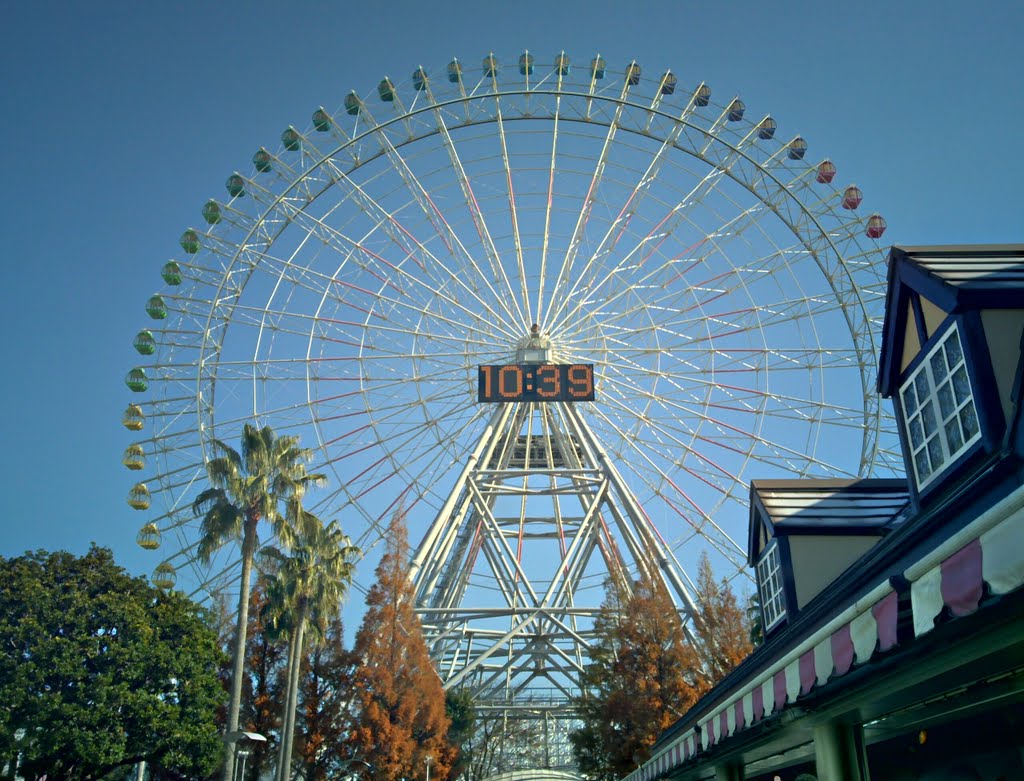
point(221, 523)
point(207, 499)
point(224, 472)
point(226, 451)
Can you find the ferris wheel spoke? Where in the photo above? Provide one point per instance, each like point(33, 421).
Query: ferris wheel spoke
point(618, 226)
point(550, 200)
point(702, 327)
point(725, 432)
point(404, 239)
point(655, 238)
point(722, 541)
point(683, 438)
point(663, 229)
point(386, 416)
point(666, 488)
point(449, 236)
point(414, 186)
point(562, 289)
point(516, 241)
point(379, 309)
point(694, 379)
point(473, 206)
point(731, 431)
point(394, 415)
point(426, 471)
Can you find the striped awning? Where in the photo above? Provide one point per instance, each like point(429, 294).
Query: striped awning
point(955, 576)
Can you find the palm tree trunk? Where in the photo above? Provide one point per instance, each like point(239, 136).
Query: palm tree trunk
point(241, 630)
point(293, 693)
point(279, 772)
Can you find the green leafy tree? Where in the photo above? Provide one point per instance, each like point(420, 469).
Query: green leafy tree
point(399, 702)
point(101, 671)
point(642, 676)
point(461, 710)
point(247, 488)
point(310, 586)
point(722, 627)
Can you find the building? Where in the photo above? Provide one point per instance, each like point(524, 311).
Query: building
point(894, 609)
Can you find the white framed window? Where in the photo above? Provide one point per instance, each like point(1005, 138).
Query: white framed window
point(769, 581)
point(939, 414)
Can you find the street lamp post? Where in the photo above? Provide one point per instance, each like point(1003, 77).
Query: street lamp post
point(232, 739)
point(428, 759)
point(241, 754)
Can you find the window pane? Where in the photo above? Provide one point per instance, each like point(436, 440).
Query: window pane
point(910, 400)
point(924, 469)
point(939, 370)
point(953, 352)
point(953, 435)
point(969, 420)
point(946, 405)
point(928, 418)
point(962, 385)
point(935, 452)
point(923, 389)
point(916, 434)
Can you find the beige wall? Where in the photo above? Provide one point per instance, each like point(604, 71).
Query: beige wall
point(1002, 333)
point(933, 316)
point(818, 560)
point(911, 344)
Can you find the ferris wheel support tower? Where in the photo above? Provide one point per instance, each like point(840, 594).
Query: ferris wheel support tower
point(541, 519)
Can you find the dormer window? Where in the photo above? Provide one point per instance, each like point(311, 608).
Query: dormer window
point(769, 579)
point(805, 533)
point(938, 409)
point(951, 361)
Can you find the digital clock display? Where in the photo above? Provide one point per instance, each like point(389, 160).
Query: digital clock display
point(536, 382)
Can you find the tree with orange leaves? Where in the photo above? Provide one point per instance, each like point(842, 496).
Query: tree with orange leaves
point(642, 676)
point(722, 627)
point(399, 704)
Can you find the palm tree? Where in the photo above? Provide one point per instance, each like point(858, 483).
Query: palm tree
point(308, 590)
point(248, 488)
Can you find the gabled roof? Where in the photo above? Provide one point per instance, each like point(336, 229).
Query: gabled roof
point(824, 506)
point(954, 278)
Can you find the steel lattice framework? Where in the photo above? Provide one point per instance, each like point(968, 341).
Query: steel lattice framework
point(727, 292)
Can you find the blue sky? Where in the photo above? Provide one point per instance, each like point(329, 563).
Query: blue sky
point(121, 119)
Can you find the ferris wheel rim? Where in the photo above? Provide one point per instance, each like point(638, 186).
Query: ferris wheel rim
point(212, 355)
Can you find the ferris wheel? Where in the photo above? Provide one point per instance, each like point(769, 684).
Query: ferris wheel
point(350, 280)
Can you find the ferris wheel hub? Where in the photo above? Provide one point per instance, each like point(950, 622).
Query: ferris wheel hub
point(534, 348)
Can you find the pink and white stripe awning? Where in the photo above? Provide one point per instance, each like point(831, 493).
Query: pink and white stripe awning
point(988, 552)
